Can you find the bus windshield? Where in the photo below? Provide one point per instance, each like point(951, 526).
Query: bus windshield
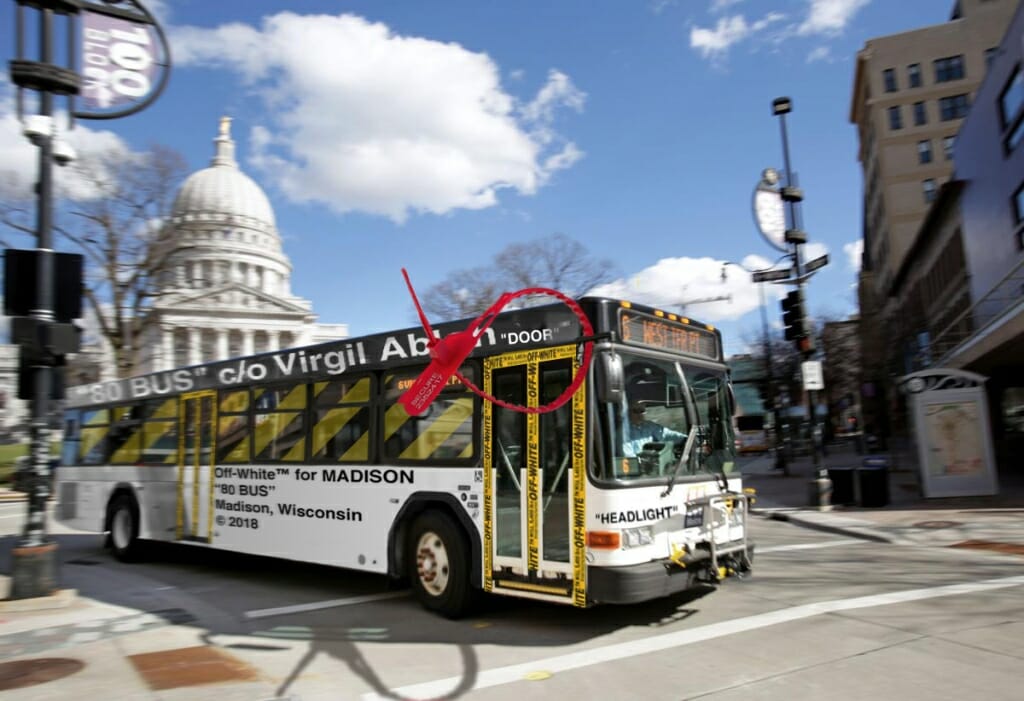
point(664, 403)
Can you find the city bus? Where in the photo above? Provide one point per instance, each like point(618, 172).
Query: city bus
point(306, 454)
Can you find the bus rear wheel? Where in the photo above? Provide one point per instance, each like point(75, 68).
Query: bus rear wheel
point(440, 562)
point(123, 517)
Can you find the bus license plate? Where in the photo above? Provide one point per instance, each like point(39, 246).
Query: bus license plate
point(694, 517)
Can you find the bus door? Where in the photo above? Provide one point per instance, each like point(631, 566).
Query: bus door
point(534, 478)
point(197, 416)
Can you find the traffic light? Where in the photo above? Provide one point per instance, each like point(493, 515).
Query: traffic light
point(793, 315)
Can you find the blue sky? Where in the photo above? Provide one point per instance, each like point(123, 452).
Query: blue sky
point(430, 135)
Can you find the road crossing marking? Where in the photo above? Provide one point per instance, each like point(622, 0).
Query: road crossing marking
point(809, 546)
point(317, 605)
point(658, 643)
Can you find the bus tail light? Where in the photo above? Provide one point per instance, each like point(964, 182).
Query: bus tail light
point(603, 540)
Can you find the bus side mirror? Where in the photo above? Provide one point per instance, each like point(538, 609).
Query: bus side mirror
point(611, 379)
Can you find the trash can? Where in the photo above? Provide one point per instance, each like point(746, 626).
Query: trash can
point(843, 493)
point(874, 482)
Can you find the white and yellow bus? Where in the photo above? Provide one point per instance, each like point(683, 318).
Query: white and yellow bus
point(306, 454)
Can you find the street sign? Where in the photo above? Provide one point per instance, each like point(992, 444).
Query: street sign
point(816, 263)
point(770, 275)
point(812, 374)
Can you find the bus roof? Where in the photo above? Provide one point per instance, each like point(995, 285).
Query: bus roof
point(518, 329)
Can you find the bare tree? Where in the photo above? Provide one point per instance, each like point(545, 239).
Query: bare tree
point(115, 215)
point(556, 261)
point(464, 293)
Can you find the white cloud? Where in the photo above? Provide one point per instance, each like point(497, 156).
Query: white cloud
point(814, 249)
point(713, 43)
point(822, 53)
point(854, 254)
point(719, 5)
point(830, 16)
point(684, 285)
point(360, 118)
point(823, 17)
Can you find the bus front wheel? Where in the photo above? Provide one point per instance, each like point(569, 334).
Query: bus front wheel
point(124, 528)
point(439, 559)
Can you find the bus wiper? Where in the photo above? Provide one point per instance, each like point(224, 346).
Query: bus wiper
point(685, 457)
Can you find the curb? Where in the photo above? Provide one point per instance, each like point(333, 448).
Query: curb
point(61, 598)
point(852, 531)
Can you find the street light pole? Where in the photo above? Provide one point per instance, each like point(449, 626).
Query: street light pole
point(126, 32)
point(34, 562)
point(796, 238)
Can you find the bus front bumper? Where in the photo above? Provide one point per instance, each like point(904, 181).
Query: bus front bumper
point(652, 580)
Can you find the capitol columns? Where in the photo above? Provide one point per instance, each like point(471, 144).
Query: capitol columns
point(166, 360)
point(222, 344)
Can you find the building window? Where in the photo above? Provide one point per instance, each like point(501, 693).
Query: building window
point(920, 114)
point(949, 68)
point(914, 75)
point(929, 190)
point(924, 151)
point(948, 142)
point(1011, 109)
point(889, 78)
point(1018, 215)
point(895, 118)
point(953, 107)
point(1012, 98)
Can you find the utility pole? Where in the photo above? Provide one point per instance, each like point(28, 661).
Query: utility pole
point(800, 329)
point(124, 49)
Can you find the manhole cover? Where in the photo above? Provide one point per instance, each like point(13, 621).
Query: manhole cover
point(22, 673)
point(937, 524)
point(993, 546)
point(190, 666)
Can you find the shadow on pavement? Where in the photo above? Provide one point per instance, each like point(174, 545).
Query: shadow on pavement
point(163, 585)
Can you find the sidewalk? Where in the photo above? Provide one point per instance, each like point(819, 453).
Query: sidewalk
point(908, 518)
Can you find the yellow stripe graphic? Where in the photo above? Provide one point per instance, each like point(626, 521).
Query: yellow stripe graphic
point(488, 460)
point(439, 430)
point(533, 488)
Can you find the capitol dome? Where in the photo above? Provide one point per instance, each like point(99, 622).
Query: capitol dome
point(222, 191)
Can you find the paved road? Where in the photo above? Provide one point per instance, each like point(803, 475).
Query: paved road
point(823, 616)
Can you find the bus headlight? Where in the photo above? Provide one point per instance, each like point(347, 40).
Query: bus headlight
point(635, 537)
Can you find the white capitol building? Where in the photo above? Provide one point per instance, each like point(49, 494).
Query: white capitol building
point(227, 291)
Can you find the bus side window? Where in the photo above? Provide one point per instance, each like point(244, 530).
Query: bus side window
point(279, 433)
point(234, 429)
point(125, 438)
point(160, 432)
point(444, 432)
point(341, 420)
point(72, 437)
point(92, 450)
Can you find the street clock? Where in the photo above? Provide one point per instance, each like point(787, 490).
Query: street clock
point(769, 210)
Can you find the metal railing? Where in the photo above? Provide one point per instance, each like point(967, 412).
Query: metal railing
point(997, 304)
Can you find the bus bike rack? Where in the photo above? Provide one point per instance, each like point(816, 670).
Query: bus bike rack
point(720, 512)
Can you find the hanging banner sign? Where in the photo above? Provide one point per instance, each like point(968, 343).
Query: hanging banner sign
point(125, 60)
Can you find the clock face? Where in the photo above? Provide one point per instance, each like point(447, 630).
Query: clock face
point(770, 215)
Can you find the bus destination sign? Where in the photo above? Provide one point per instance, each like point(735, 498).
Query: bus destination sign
point(660, 332)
